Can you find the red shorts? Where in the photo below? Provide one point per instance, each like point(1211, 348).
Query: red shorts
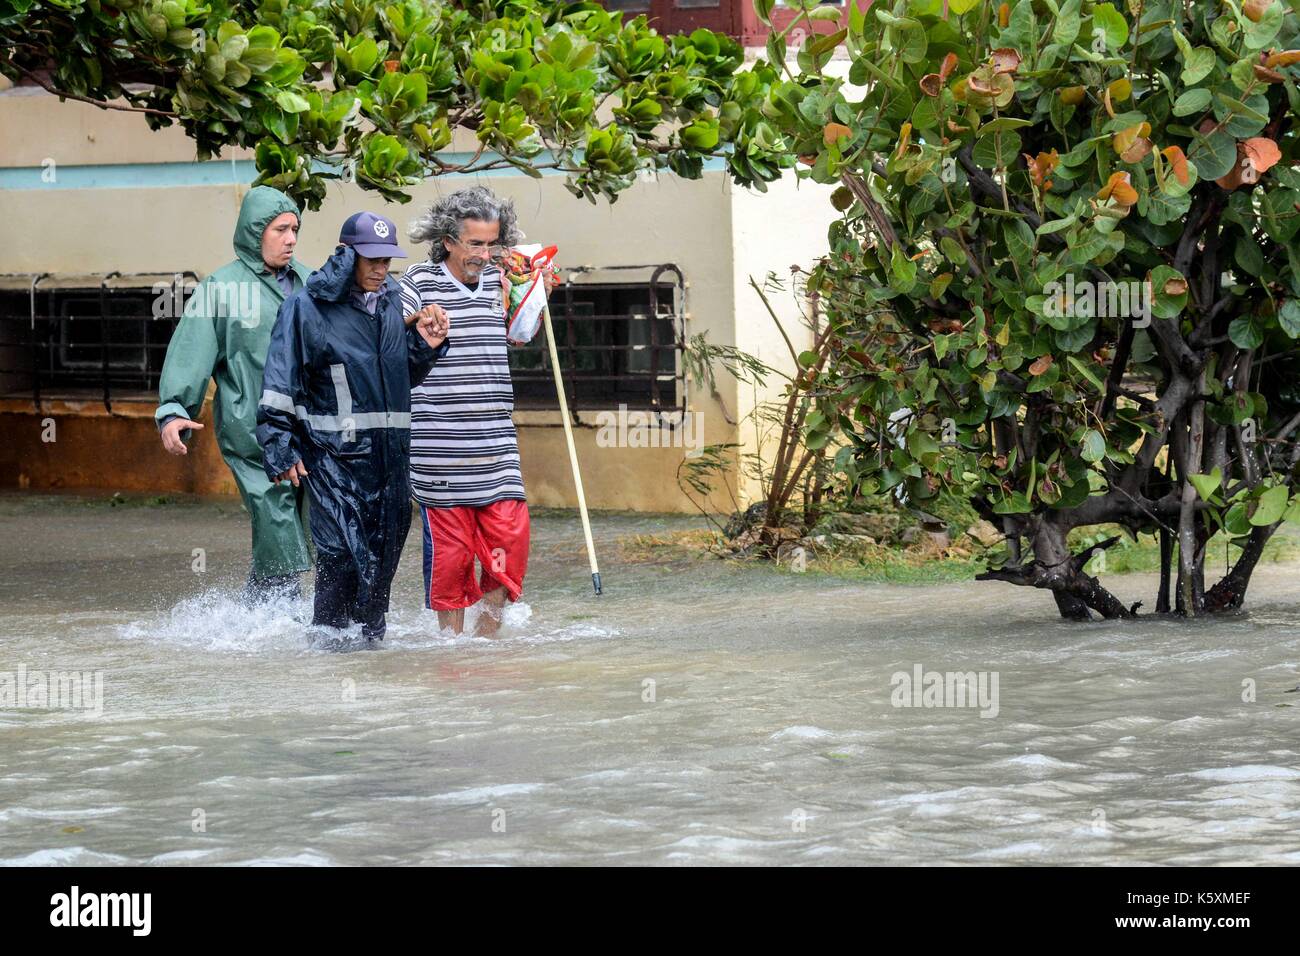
point(496, 534)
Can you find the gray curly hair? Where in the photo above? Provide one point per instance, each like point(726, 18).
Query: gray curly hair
point(443, 219)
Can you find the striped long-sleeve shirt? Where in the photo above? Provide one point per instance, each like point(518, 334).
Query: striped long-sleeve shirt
point(463, 445)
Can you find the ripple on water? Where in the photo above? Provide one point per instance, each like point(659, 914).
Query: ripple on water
point(66, 856)
point(802, 733)
point(1246, 773)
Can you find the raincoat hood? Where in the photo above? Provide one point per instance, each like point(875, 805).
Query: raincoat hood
point(333, 282)
point(259, 208)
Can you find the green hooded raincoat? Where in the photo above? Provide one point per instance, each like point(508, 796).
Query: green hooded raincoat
point(224, 334)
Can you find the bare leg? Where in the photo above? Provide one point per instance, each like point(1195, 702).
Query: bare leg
point(452, 619)
point(489, 620)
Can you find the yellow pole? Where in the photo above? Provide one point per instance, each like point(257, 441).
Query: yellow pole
point(573, 453)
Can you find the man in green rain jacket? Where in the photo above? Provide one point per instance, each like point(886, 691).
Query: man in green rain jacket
point(224, 334)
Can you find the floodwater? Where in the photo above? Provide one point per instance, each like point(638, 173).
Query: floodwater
point(693, 714)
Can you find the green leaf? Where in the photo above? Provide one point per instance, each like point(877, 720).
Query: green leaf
point(1164, 305)
point(1206, 485)
point(1163, 208)
point(1259, 35)
point(1272, 504)
point(1198, 66)
point(998, 149)
point(1094, 446)
point(1086, 372)
point(1056, 225)
point(1192, 101)
point(1289, 318)
point(1214, 155)
point(923, 448)
point(291, 102)
point(1112, 23)
point(1012, 504)
point(902, 270)
point(1249, 256)
point(1245, 332)
point(1235, 521)
point(1019, 239)
point(1292, 515)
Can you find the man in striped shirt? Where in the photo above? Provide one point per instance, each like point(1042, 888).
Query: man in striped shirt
point(464, 453)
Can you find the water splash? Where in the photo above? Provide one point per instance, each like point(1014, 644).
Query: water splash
point(220, 621)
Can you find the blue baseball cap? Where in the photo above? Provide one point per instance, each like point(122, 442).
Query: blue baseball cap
point(374, 237)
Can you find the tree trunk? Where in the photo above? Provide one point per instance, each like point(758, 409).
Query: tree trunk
point(1166, 558)
point(1190, 603)
point(1054, 568)
point(1230, 592)
point(1071, 607)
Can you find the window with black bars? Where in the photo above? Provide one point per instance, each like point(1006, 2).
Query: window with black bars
point(619, 343)
point(107, 337)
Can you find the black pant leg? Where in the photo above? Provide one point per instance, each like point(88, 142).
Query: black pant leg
point(336, 590)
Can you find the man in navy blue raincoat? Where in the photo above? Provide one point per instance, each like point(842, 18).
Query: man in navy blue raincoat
point(335, 413)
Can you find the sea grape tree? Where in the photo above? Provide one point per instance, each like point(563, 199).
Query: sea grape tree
point(373, 90)
point(1065, 283)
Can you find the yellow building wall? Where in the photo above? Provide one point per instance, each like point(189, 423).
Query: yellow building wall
point(772, 231)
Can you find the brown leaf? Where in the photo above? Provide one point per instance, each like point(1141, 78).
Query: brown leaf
point(932, 83)
point(1178, 163)
point(980, 81)
point(1005, 60)
point(1255, 157)
point(1119, 190)
point(833, 131)
point(1263, 153)
point(1041, 365)
point(1132, 143)
point(1265, 75)
point(1255, 9)
point(1282, 58)
point(1041, 166)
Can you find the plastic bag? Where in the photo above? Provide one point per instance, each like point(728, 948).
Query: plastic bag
point(524, 289)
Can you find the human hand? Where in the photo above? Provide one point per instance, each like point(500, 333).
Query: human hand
point(171, 435)
point(427, 310)
point(296, 471)
point(433, 324)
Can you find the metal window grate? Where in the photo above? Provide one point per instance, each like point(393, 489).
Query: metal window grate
point(618, 343)
point(66, 335)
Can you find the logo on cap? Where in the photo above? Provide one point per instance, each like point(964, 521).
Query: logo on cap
point(381, 229)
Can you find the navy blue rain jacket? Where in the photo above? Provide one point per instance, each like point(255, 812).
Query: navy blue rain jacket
point(336, 394)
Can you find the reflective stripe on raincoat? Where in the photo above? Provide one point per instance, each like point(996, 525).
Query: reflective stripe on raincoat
point(337, 396)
